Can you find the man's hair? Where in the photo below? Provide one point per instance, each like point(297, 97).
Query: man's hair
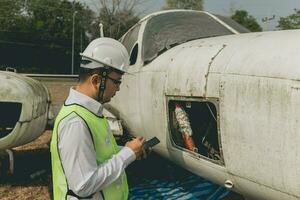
point(85, 73)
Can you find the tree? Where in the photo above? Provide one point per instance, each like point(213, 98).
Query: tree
point(117, 17)
point(37, 34)
point(290, 22)
point(184, 4)
point(11, 20)
point(242, 17)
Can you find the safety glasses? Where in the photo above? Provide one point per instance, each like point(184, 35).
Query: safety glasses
point(115, 81)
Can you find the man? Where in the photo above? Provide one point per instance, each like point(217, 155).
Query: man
point(86, 161)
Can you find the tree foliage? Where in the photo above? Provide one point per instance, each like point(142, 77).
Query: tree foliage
point(184, 4)
point(117, 17)
point(37, 34)
point(290, 22)
point(242, 17)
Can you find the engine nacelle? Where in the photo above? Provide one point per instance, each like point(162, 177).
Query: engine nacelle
point(24, 105)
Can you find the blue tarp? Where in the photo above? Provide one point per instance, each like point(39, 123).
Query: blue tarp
point(156, 178)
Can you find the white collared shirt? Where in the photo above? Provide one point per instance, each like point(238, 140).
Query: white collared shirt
point(78, 156)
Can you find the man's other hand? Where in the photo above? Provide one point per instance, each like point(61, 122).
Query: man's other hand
point(137, 146)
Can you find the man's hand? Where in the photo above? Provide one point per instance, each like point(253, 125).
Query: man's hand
point(137, 146)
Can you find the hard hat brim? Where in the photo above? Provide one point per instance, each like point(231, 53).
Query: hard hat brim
point(97, 61)
point(103, 63)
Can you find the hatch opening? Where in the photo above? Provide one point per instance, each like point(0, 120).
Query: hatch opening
point(194, 128)
point(10, 114)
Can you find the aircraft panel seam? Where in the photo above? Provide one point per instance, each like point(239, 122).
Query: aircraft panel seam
point(248, 75)
point(209, 66)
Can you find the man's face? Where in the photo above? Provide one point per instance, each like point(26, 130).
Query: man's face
point(113, 81)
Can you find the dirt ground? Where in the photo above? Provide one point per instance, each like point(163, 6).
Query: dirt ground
point(32, 174)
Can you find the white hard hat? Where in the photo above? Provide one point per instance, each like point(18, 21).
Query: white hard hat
point(103, 52)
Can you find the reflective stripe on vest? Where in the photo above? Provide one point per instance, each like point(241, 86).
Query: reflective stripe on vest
point(105, 147)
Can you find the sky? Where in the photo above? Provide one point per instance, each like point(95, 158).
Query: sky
point(257, 8)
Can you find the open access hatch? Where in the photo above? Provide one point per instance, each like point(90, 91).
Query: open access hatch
point(193, 125)
point(10, 114)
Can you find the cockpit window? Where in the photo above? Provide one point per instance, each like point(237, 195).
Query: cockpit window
point(130, 41)
point(233, 24)
point(166, 30)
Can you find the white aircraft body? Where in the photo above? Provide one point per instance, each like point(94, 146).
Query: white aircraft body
point(241, 93)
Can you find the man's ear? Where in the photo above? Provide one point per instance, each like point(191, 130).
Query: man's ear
point(95, 79)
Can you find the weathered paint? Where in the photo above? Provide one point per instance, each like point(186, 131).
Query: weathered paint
point(35, 100)
point(58, 86)
point(268, 108)
point(255, 77)
point(190, 58)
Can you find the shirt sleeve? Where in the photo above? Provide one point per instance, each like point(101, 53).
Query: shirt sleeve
point(78, 158)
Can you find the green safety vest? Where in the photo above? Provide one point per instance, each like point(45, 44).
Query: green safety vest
point(105, 147)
